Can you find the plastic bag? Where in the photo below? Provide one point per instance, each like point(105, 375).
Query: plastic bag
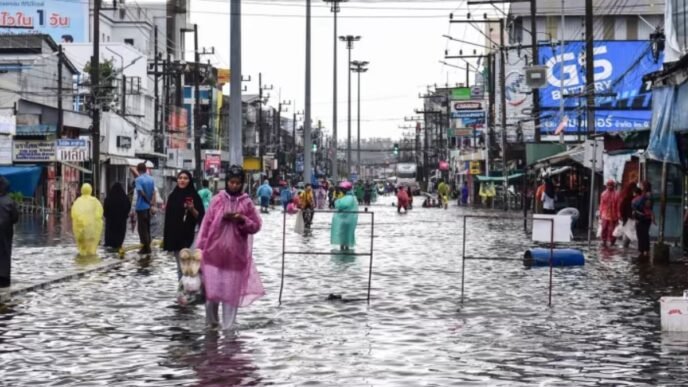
point(191, 283)
point(299, 225)
point(599, 229)
point(618, 230)
point(629, 231)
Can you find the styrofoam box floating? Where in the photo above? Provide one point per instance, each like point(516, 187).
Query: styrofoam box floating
point(674, 312)
point(542, 228)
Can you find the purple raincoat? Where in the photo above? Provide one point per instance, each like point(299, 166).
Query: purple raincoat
point(229, 273)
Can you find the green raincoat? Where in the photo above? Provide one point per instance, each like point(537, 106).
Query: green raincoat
point(344, 224)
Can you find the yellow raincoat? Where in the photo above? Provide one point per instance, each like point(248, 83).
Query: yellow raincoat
point(87, 221)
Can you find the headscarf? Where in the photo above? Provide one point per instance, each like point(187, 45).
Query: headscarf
point(179, 225)
point(235, 171)
point(117, 204)
point(4, 186)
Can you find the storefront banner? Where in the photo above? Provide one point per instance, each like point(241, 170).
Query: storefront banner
point(72, 150)
point(33, 151)
point(5, 150)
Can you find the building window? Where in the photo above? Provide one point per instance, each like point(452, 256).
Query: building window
point(516, 31)
point(129, 42)
point(632, 28)
point(551, 24)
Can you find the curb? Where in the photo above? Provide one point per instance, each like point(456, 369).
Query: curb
point(23, 288)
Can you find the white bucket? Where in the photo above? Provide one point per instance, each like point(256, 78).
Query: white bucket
point(674, 312)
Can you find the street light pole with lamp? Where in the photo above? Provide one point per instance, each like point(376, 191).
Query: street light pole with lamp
point(359, 67)
point(349, 39)
point(334, 8)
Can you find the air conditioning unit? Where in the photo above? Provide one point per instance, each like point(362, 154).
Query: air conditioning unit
point(536, 76)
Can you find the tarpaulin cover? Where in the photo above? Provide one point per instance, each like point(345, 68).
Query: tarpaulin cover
point(662, 138)
point(22, 179)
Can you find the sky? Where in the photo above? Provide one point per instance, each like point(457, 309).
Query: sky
point(402, 40)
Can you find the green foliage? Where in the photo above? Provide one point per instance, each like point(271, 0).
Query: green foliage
point(18, 197)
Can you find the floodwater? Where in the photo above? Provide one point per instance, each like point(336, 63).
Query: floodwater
point(123, 327)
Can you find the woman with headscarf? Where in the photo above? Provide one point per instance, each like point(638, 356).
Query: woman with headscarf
point(9, 216)
point(116, 211)
point(87, 221)
point(183, 211)
point(548, 197)
point(226, 239)
point(345, 219)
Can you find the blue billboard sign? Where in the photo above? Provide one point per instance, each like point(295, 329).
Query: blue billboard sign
point(63, 20)
point(469, 118)
point(619, 70)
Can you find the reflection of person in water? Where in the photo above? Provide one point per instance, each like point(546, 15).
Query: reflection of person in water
point(223, 361)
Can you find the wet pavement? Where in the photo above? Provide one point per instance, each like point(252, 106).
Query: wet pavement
point(123, 327)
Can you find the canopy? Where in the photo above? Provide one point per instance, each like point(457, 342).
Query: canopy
point(499, 178)
point(22, 179)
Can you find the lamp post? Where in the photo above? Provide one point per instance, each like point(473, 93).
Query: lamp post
point(334, 8)
point(359, 67)
point(349, 39)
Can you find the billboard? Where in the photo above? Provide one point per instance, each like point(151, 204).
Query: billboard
point(619, 69)
point(177, 128)
point(64, 20)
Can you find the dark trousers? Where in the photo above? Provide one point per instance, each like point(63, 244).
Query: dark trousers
point(143, 220)
point(642, 230)
point(307, 217)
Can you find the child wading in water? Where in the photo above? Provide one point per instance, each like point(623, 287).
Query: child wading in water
point(226, 239)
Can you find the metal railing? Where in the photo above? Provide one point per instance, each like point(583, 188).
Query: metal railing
point(285, 252)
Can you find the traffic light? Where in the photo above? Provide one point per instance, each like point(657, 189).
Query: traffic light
point(396, 149)
point(314, 147)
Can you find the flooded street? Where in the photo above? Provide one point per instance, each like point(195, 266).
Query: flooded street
point(123, 327)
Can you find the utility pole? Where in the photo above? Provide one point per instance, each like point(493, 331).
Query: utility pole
point(60, 110)
point(307, 139)
point(536, 59)
point(502, 86)
point(235, 112)
point(156, 95)
point(349, 39)
point(261, 130)
point(95, 103)
point(334, 8)
point(359, 67)
point(590, 94)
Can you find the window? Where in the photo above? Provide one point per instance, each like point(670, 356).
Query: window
point(129, 41)
point(551, 25)
point(516, 31)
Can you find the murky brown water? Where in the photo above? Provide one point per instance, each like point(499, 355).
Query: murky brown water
point(124, 328)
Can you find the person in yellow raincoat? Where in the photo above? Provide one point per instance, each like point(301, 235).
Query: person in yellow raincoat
point(87, 221)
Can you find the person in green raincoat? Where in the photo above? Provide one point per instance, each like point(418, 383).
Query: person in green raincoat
point(360, 192)
point(343, 232)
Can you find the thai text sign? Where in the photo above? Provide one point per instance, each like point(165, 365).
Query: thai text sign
point(33, 151)
point(72, 150)
point(63, 20)
point(469, 118)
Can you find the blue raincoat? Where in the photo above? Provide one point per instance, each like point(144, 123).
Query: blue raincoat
point(285, 196)
point(344, 224)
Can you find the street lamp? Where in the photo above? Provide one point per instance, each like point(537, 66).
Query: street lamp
point(334, 8)
point(359, 67)
point(349, 39)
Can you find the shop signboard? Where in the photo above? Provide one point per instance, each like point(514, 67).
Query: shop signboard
point(33, 151)
point(474, 168)
point(461, 93)
point(72, 150)
point(65, 21)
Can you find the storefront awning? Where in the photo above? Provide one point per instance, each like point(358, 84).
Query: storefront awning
point(498, 178)
point(127, 161)
point(22, 179)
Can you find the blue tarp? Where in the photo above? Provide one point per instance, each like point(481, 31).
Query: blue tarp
point(22, 179)
point(662, 146)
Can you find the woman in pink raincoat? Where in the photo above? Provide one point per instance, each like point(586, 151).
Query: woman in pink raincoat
point(226, 239)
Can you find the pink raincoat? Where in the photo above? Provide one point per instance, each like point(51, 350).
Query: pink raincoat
point(229, 273)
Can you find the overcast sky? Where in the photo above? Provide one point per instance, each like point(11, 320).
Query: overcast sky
point(402, 40)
